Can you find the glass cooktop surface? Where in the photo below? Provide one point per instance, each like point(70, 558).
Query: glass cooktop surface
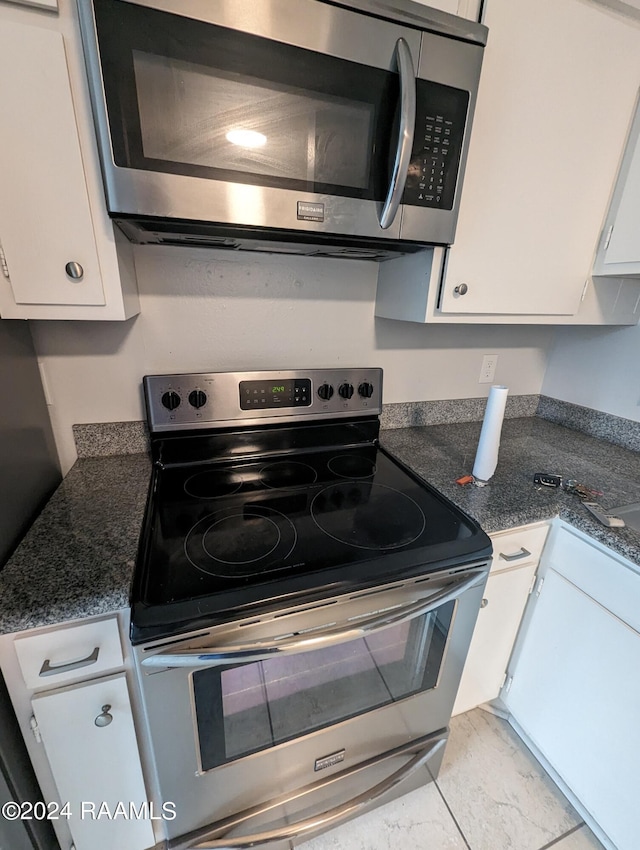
point(224, 538)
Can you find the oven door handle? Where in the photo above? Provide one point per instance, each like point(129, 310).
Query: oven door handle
point(405, 134)
point(332, 818)
point(319, 638)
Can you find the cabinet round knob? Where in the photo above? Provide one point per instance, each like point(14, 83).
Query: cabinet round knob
point(484, 603)
point(74, 271)
point(461, 289)
point(105, 718)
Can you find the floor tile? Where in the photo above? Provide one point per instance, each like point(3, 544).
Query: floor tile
point(417, 821)
point(581, 839)
point(500, 796)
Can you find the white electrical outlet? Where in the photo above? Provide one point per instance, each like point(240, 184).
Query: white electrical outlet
point(488, 370)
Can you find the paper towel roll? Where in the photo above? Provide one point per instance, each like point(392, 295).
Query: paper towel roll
point(489, 442)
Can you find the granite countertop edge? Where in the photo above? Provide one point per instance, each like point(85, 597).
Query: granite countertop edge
point(77, 559)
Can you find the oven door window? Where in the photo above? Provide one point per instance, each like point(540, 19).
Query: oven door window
point(252, 707)
point(191, 98)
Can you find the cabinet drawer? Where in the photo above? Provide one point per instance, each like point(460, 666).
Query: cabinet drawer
point(60, 655)
point(522, 546)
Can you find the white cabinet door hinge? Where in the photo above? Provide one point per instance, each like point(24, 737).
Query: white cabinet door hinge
point(507, 684)
point(539, 588)
point(3, 264)
point(584, 289)
point(607, 238)
point(504, 679)
point(533, 583)
point(33, 723)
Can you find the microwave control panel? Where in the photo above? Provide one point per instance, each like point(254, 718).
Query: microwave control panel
point(441, 113)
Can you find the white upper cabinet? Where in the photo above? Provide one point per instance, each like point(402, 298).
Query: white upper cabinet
point(45, 218)
point(61, 258)
point(465, 8)
point(550, 122)
point(40, 4)
point(619, 250)
point(558, 85)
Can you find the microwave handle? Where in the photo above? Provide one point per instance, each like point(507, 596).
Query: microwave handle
point(405, 134)
point(317, 639)
point(328, 819)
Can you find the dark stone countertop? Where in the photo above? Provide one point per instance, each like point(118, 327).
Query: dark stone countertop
point(442, 453)
point(77, 559)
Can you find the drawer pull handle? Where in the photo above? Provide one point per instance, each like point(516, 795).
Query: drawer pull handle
point(105, 718)
point(484, 603)
point(523, 553)
point(48, 669)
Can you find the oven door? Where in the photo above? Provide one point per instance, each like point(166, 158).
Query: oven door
point(287, 725)
point(284, 114)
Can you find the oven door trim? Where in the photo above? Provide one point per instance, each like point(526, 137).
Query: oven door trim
point(213, 836)
point(320, 638)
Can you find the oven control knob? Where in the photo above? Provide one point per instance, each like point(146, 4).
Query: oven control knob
point(197, 399)
point(171, 400)
point(345, 390)
point(365, 389)
point(325, 391)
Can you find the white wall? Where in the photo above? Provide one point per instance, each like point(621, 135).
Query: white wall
point(598, 368)
point(208, 311)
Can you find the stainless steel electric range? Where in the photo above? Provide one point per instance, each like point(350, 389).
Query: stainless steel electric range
point(301, 610)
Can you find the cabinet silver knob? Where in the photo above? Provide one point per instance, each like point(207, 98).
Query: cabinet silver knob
point(105, 718)
point(74, 271)
point(461, 289)
point(484, 603)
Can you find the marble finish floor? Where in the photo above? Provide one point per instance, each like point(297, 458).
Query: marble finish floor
point(491, 794)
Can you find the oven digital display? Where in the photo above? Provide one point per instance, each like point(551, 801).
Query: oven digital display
point(272, 394)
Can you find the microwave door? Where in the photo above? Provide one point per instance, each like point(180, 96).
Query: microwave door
point(255, 120)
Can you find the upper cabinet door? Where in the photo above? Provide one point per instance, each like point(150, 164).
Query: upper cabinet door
point(619, 252)
point(557, 88)
point(40, 4)
point(46, 229)
point(465, 8)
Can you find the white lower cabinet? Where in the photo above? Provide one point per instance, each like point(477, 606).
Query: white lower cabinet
point(574, 688)
point(90, 741)
point(68, 685)
point(513, 569)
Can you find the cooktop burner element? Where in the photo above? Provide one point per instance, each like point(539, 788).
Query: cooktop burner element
point(352, 466)
point(369, 516)
point(287, 473)
point(258, 508)
point(241, 542)
point(209, 484)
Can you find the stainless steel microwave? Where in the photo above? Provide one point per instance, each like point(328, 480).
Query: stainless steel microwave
point(305, 126)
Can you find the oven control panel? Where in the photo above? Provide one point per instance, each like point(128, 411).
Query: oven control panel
point(220, 399)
